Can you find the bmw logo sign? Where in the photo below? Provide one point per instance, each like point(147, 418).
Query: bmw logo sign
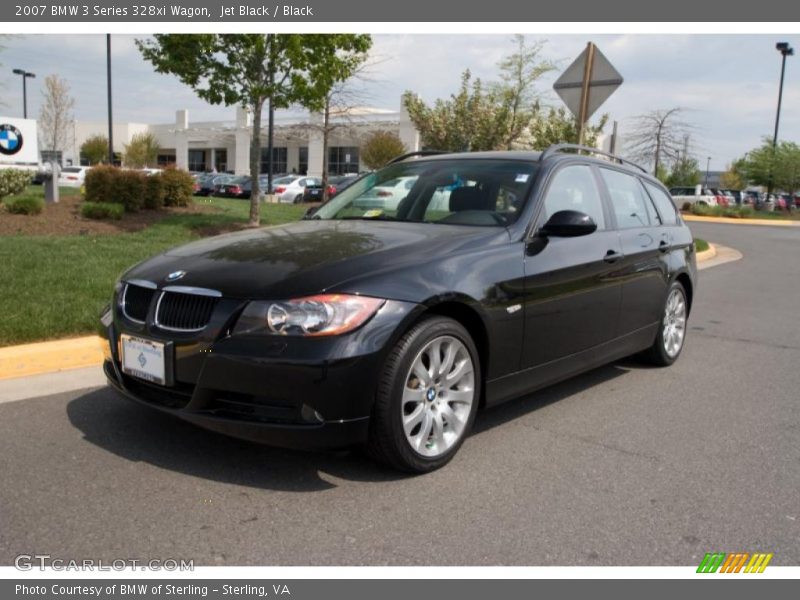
point(10, 139)
point(175, 275)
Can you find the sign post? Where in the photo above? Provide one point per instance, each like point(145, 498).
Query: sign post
point(586, 84)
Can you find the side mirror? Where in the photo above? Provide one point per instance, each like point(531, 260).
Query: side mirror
point(568, 223)
point(310, 212)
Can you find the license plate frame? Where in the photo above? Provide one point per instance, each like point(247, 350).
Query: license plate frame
point(144, 359)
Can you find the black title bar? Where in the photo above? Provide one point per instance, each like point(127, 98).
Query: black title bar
point(441, 11)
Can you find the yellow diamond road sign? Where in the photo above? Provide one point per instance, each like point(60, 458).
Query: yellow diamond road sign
point(604, 79)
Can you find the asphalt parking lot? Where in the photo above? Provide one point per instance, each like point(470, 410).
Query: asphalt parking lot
point(626, 465)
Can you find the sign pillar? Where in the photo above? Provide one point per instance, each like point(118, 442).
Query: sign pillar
point(585, 91)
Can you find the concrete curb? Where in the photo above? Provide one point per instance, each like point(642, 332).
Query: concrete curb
point(732, 221)
point(50, 357)
point(707, 254)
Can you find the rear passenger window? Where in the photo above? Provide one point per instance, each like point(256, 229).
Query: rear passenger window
point(574, 188)
point(628, 199)
point(664, 204)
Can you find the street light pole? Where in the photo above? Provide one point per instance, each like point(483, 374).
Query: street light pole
point(708, 166)
point(25, 74)
point(786, 50)
point(110, 119)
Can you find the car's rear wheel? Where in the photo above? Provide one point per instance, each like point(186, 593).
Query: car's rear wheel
point(672, 330)
point(298, 199)
point(427, 397)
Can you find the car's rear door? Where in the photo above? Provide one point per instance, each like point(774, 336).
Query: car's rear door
point(572, 295)
point(645, 248)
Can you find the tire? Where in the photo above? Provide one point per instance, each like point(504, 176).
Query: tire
point(298, 199)
point(671, 335)
point(419, 422)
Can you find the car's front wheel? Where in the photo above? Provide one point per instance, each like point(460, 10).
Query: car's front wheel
point(427, 397)
point(672, 331)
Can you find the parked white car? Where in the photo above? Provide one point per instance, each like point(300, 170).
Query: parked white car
point(290, 189)
point(683, 196)
point(72, 176)
point(387, 195)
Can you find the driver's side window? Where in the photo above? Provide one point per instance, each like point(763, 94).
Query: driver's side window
point(574, 188)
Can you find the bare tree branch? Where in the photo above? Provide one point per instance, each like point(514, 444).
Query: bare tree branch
point(659, 137)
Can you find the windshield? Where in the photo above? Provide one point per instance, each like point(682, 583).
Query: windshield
point(457, 192)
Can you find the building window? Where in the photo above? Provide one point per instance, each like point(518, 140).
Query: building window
point(221, 160)
point(342, 160)
point(165, 160)
point(54, 155)
point(280, 160)
point(302, 167)
point(197, 160)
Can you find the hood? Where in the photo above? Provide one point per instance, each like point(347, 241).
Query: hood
point(309, 257)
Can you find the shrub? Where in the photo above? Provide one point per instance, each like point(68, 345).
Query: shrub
point(102, 210)
point(130, 188)
point(178, 187)
point(100, 184)
point(24, 205)
point(154, 191)
point(13, 181)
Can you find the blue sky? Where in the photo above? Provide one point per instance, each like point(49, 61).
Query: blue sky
point(728, 84)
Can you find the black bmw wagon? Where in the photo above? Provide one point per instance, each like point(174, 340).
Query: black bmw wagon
point(433, 287)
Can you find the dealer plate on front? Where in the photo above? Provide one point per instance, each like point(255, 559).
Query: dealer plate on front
point(142, 358)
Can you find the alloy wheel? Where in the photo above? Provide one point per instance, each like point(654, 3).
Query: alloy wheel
point(674, 325)
point(438, 393)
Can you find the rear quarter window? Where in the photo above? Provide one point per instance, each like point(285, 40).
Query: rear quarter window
point(664, 204)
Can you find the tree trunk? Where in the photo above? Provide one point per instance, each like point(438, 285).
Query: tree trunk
point(255, 164)
point(658, 149)
point(325, 131)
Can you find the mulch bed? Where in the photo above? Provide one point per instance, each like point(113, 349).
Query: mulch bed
point(64, 218)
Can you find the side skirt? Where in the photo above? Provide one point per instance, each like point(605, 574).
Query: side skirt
point(532, 379)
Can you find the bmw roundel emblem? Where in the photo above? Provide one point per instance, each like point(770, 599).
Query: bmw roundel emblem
point(175, 275)
point(10, 139)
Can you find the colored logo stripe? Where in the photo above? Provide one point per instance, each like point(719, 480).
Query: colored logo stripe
point(734, 562)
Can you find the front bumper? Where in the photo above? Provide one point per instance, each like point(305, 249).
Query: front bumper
point(309, 393)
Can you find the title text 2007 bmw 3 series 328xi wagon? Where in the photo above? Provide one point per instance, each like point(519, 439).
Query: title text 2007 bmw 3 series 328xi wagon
point(388, 321)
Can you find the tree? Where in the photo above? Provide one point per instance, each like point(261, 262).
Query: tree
point(56, 121)
point(333, 60)
point(519, 73)
point(473, 119)
point(659, 136)
point(248, 70)
point(779, 164)
point(557, 126)
point(95, 149)
point(684, 172)
point(141, 152)
point(731, 179)
point(381, 147)
point(505, 114)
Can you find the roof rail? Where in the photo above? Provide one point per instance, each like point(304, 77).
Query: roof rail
point(402, 157)
point(556, 148)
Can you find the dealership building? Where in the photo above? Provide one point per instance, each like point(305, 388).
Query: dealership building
point(225, 145)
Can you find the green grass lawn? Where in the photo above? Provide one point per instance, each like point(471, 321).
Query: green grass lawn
point(55, 286)
point(700, 245)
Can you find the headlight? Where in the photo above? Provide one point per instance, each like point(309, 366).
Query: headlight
point(325, 314)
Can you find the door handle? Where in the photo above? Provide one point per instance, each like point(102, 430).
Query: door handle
point(612, 256)
point(663, 246)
